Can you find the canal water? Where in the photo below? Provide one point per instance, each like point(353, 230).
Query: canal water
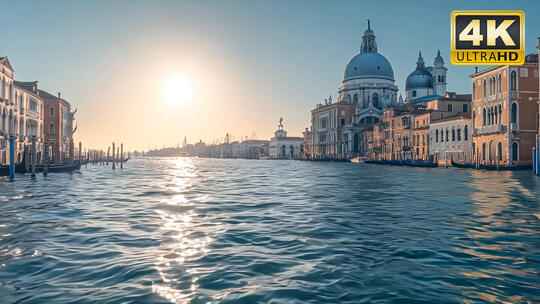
point(245, 231)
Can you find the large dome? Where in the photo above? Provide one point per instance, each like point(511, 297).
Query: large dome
point(419, 79)
point(369, 65)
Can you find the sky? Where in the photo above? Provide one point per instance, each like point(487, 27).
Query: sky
point(249, 62)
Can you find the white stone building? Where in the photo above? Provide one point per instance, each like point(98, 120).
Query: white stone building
point(283, 147)
point(451, 139)
point(21, 115)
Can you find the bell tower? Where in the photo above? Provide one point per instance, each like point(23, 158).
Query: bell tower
point(439, 75)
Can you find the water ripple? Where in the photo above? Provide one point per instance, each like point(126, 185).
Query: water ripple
point(241, 231)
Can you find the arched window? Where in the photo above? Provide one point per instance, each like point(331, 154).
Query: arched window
point(485, 88)
point(484, 117)
point(490, 85)
point(473, 118)
point(355, 98)
point(513, 81)
point(51, 129)
point(436, 135)
point(495, 115)
point(488, 117)
point(375, 100)
point(466, 133)
point(453, 134)
point(499, 150)
point(513, 113)
point(459, 133)
point(349, 98)
point(484, 151)
point(446, 139)
point(51, 111)
point(473, 91)
point(515, 151)
point(499, 84)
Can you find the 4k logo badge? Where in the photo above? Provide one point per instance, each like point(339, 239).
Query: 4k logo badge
point(487, 37)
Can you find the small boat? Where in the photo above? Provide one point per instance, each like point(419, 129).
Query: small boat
point(358, 159)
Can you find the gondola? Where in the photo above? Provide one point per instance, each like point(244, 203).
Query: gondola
point(420, 164)
point(21, 168)
point(465, 165)
point(409, 163)
point(491, 167)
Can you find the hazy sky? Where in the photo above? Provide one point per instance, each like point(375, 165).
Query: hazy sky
point(250, 62)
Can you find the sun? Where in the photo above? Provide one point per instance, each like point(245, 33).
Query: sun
point(177, 90)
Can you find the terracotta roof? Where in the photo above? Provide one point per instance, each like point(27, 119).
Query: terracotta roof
point(452, 117)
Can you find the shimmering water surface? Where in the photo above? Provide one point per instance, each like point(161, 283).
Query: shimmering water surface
point(243, 231)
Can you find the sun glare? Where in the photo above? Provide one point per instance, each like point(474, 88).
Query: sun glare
point(177, 90)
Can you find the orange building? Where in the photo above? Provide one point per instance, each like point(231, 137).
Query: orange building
point(421, 135)
point(505, 113)
point(393, 137)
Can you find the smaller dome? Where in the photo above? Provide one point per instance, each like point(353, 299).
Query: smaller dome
point(419, 79)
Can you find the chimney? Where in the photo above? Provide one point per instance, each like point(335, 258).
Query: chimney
point(59, 95)
point(475, 69)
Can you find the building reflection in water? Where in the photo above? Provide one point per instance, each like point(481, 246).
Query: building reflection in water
point(498, 212)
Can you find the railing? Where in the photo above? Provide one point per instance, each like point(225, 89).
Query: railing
point(498, 128)
point(514, 126)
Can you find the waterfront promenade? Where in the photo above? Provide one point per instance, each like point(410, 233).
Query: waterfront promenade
point(189, 230)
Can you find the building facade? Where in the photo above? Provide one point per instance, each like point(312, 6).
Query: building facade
point(504, 113)
point(451, 139)
point(327, 123)
point(21, 116)
point(57, 122)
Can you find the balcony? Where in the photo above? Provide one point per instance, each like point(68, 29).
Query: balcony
point(513, 94)
point(485, 130)
point(514, 127)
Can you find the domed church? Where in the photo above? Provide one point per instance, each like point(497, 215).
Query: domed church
point(368, 82)
point(426, 83)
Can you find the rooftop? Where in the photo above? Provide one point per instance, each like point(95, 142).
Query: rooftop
point(452, 117)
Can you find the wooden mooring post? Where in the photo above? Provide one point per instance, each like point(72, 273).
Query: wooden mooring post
point(33, 159)
point(113, 157)
point(121, 156)
point(107, 159)
point(45, 159)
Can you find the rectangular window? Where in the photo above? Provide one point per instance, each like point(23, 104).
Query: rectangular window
point(450, 108)
point(465, 108)
point(342, 121)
